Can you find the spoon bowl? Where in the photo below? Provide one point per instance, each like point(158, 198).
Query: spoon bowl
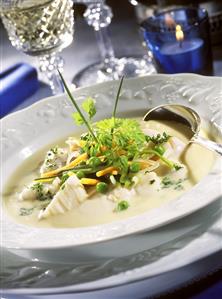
point(186, 116)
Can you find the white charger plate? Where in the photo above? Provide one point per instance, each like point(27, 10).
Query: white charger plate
point(202, 93)
point(188, 240)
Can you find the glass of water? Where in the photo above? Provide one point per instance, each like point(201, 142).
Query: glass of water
point(40, 28)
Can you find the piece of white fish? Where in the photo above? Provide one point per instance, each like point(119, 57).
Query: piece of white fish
point(55, 158)
point(174, 148)
point(148, 183)
point(68, 197)
point(121, 193)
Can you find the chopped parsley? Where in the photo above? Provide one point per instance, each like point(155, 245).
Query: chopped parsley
point(25, 211)
point(158, 139)
point(177, 167)
point(40, 194)
point(178, 187)
point(167, 183)
point(54, 150)
point(50, 161)
point(152, 182)
point(49, 164)
point(178, 184)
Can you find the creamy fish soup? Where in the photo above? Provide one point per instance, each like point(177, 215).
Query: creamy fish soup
point(128, 169)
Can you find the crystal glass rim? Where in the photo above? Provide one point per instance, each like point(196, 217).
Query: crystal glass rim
point(151, 23)
point(6, 5)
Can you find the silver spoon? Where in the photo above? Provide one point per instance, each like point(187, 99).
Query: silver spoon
point(186, 116)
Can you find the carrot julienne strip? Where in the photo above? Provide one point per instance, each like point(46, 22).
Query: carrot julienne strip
point(74, 163)
point(106, 171)
point(87, 181)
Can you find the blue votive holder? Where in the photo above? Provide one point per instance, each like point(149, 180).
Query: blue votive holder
point(179, 40)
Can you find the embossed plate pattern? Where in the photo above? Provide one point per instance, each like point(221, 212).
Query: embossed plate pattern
point(202, 93)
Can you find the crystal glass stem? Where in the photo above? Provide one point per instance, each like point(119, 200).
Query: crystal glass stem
point(99, 16)
point(49, 65)
point(104, 44)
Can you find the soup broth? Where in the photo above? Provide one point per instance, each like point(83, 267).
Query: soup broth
point(154, 189)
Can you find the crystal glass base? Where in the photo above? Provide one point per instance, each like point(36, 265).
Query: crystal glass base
point(126, 66)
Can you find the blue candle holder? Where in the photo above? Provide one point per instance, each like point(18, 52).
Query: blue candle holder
point(180, 41)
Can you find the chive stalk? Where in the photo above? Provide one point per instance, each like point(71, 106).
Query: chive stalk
point(77, 107)
point(169, 163)
point(117, 99)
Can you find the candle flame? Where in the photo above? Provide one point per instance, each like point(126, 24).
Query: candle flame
point(179, 33)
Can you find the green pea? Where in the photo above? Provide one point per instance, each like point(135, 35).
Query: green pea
point(135, 167)
point(94, 161)
point(128, 184)
point(160, 149)
point(122, 205)
point(80, 174)
point(101, 187)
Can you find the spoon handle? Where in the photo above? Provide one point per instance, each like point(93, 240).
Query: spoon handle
point(211, 145)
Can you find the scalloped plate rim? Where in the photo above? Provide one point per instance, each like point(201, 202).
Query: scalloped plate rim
point(12, 114)
point(119, 235)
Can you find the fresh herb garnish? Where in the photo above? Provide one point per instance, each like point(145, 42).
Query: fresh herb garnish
point(40, 194)
point(50, 165)
point(119, 142)
point(178, 184)
point(54, 150)
point(152, 181)
point(177, 167)
point(135, 167)
point(128, 138)
point(50, 161)
point(122, 206)
point(25, 211)
point(167, 183)
point(169, 163)
point(159, 139)
point(77, 118)
point(77, 107)
point(117, 99)
point(38, 187)
point(178, 187)
point(89, 106)
point(160, 149)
